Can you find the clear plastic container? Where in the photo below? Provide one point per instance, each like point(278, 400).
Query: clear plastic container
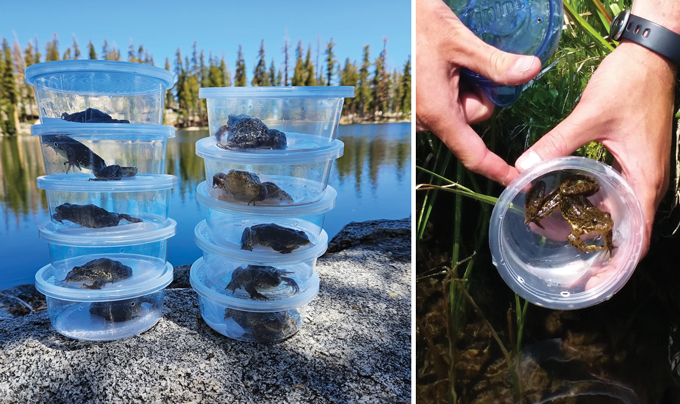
point(221, 264)
point(145, 252)
point(540, 264)
point(527, 28)
point(105, 314)
point(97, 148)
point(250, 320)
point(309, 217)
point(308, 116)
point(88, 208)
point(236, 176)
point(125, 91)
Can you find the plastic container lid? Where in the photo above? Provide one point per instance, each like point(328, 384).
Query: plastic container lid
point(80, 182)
point(323, 205)
point(49, 232)
point(207, 148)
point(45, 283)
point(132, 130)
point(204, 242)
point(277, 92)
point(540, 265)
point(122, 79)
point(200, 285)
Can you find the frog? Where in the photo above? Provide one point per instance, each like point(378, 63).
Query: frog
point(117, 311)
point(80, 156)
point(91, 115)
point(251, 277)
point(264, 326)
point(281, 239)
point(582, 215)
point(100, 271)
point(247, 132)
point(91, 216)
point(242, 185)
point(276, 195)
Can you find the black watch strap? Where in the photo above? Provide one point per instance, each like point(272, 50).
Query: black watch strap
point(648, 34)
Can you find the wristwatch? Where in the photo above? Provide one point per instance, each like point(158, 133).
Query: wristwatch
point(646, 33)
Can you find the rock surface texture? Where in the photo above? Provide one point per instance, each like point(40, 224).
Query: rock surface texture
point(355, 346)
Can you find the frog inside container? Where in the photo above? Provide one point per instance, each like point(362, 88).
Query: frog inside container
point(526, 27)
point(567, 233)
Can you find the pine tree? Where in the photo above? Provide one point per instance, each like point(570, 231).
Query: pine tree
point(225, 73)
point(405, 91)
point(240, 75)
point(349, 77)
point(67, 54)
point(36, 46)
point(9, 91)
point(29, 60)
point(260, 78)
point(131, 54)
point(169, 99)
point(272, 74)
point(299, 74)
point(105, 49)
point(379, 84)
point(330, 62)
point(363, 93)
point(52, 49)
point(286, 47)
point(310, 75)
point(76, 48)
point(279, 78)
point(92, 53)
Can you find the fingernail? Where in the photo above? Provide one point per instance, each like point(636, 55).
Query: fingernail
point(523, 64)
point(527, 160)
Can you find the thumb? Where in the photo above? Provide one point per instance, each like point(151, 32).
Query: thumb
point(562, 141)
point(498, 66)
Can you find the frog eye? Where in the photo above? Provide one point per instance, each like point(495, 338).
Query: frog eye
point(55, 144)
point(133, 304)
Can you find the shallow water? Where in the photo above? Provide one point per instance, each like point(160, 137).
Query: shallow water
point(372, 179)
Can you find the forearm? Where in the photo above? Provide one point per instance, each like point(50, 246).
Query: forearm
point(663, 12)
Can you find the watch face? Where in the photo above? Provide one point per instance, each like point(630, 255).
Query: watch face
point(619, 25)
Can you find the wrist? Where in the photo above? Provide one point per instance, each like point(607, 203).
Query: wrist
point(664, 13)
point(649, 61)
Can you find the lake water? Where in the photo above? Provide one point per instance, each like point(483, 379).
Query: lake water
point(373, 180)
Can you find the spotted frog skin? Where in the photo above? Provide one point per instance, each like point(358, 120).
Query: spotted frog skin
point(117, 311)
point(251, 277)
point(80, 156)
point(100, 272)
point(91, 216)
point(91, 115)
point(582, 215)
point(279, 238)
point(266, 326)
point(247, 132)
point(245, 186)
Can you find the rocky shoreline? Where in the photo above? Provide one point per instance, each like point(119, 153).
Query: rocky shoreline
point(355, 345)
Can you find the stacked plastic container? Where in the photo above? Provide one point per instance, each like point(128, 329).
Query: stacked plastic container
point(104, 147)
point(267, 164)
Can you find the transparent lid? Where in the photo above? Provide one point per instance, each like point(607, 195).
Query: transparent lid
point(80, 182)
point(202, 286)
point(207, 148)
point(277, 92)
point(61, 127)
point(100, 77)
point(567, 260)
point(204, 242)
point(326, 203)
point(49, 232)
point(47, 284)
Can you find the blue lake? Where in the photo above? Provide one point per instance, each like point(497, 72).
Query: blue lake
point(373, 180)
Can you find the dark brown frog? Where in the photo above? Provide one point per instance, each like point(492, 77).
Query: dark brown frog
point(100, 272)
point(117, 311)
point(247, 132)
point(251, 277)
point(266, 326)
point(279, 238)
point(243, 186)
point(90, 216)
point(91, 115)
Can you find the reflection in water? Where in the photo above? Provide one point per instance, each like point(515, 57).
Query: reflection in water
point(376, 159)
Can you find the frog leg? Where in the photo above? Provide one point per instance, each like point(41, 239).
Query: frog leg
point(608, 245)
point(579, 184)
point(107, 173)
point(254, 294)
point(537, 207)
point(95, 285)
point(575, 240)
point(129, 218)
point(291, 282)
point(72, 161)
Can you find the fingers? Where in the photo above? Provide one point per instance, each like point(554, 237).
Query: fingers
point(476, 106)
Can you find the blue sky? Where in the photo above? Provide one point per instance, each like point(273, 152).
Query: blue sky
point(220, 26)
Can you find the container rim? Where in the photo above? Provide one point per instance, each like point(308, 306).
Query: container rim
point(80, 182)
point(277, 92)
point(100, 66)
point(326, 203)
point(94, 295)
point(48, 231)
point(204, 242)
point(207, 148)
point(84, 129)
point(197, 279)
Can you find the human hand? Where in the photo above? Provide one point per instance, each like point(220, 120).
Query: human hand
point(628, 107)
point(445, 45)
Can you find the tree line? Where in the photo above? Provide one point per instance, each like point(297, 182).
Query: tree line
point(381, 91)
